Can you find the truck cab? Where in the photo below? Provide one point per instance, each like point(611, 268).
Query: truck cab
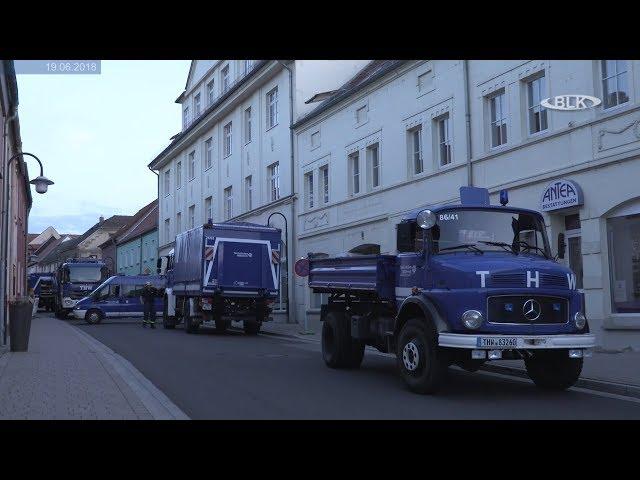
point(117, 297)
point(469, 283)
point(76, 278)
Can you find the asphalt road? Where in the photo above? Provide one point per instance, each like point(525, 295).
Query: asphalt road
point(233, 376)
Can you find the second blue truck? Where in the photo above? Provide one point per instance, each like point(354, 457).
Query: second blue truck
point(222, 272)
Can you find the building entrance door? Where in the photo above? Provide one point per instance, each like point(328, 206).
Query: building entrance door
point(574, 249)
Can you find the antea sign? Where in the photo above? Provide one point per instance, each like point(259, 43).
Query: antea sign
point(561, 194)
point(571, 102)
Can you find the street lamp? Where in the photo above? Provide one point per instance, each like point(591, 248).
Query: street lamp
point(286, 244)
point(41, 182)
point(42, 185)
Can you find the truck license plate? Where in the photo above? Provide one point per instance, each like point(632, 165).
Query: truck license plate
point(493, 342)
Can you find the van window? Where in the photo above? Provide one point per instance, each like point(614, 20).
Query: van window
point(132, 291)
point(108, 291)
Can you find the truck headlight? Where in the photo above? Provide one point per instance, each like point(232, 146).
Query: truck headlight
point(580, 320)
point(472, 319)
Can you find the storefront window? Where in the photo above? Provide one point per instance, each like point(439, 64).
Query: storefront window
point(624, 261)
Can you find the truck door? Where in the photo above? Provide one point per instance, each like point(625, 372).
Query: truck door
point(410, 263)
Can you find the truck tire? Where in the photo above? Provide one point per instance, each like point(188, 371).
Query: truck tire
point(421, 363)
point(190, 326)
point(251, 327)
point(93, 317)
point(339, 350)
point(553, 369)
point(167, 322)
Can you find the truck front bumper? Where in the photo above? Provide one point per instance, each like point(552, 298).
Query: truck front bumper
point(516, 342)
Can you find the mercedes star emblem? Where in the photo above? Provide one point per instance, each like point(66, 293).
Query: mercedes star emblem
point(531, 310)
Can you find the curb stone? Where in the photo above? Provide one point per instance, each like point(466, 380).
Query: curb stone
point(587, 383)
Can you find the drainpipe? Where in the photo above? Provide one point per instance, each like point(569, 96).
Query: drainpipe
point(158, 225)
point(6, 175)
point(291, 278)
point(467, 116)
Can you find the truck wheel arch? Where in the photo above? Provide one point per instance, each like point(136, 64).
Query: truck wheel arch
point(419, 307)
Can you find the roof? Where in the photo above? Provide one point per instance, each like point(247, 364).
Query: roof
point(58, 253)
point(144, 221)
point(371, 72)
point(233, 88)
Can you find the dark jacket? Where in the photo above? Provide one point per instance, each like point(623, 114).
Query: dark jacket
point(148, 293)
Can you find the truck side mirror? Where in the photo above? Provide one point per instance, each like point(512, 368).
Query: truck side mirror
point(561, 245)
point(405, 232)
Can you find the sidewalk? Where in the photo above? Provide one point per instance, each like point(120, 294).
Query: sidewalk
point(66, 374)
point(614, 370)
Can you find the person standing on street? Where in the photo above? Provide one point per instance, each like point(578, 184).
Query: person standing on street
point(149, 293)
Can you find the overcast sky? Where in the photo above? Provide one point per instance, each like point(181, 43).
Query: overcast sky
point(95, 135)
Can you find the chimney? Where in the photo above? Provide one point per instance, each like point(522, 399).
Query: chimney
point(101, 219)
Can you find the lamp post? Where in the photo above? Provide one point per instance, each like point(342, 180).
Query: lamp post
point(42, 185)
point(286, 237)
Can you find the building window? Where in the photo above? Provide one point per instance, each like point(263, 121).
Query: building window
point(228, 203)
point(444, 139)
point(208, 153)
point(167, 183)
point(272, 108)
point(248, 192)
point(226, 134)
point(315, 139)
point(425, 81)
point(225, 79)
point(247, 66)
point(211, 92)
point(624, 260)
point(185, 117)
point(178, 175)
point(324, 183)
point(208, 209)
point(196, 106)
point(192, 165)
point(178, 222)
point(192, 216)
point(167, 230)
point(361, 115)
point(615, 86)
point(354, 173)
point(373, 159)
point(415, 150)
point(247, 125)
point(498, 112)
point(274, 181)
point(537, 114)
point(308, 181)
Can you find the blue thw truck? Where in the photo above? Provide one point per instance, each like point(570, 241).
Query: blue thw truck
point(469, 283)
point(222, 272)
point(44, 287)
point(76, 278)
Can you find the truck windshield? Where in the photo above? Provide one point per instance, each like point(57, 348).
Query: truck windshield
point(84, 274)
point(489, 230)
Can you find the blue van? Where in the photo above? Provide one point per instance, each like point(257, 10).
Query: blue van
point(118, 296)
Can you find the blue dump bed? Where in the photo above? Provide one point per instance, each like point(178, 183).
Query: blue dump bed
point(359, 273)
point(232, 258)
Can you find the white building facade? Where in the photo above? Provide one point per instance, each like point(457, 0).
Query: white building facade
point(406, 134)
point(233, 159)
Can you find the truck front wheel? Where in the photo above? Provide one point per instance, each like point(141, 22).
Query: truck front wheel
point(167, 322)
point(553, 369)
point(422, 365)
point(339, 350)
point(190, 325)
